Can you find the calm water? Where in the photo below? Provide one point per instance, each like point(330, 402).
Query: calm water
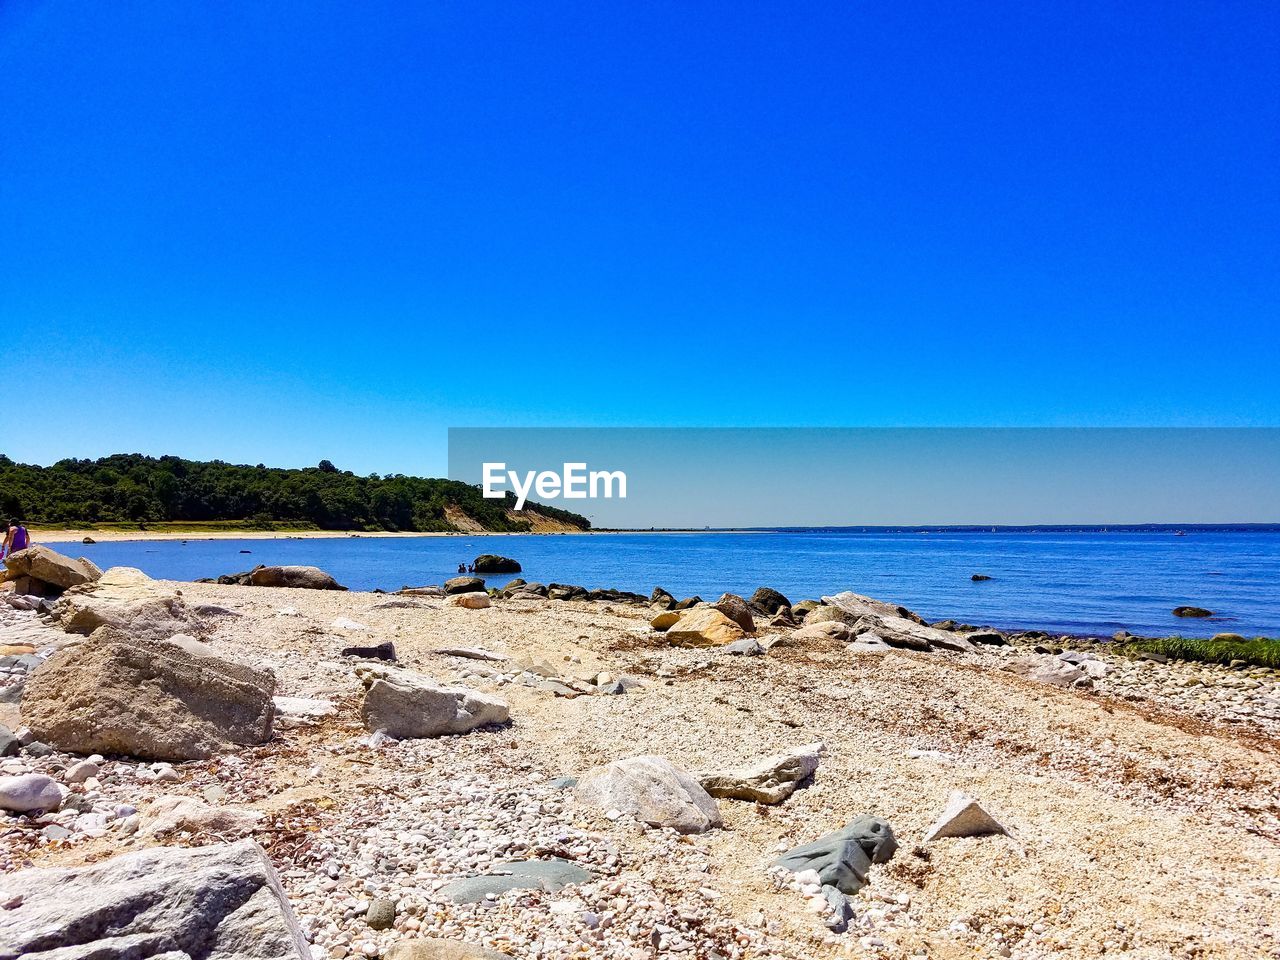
point(1089, 583)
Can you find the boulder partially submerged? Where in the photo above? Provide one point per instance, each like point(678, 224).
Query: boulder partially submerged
point(292, 576)
point(492, 563)
point(218, 901)
point(170, 699)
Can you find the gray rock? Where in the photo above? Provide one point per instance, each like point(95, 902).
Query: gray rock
point(8, 742)
point(843, 859)
point(964, 817)
point(1046, 669)
point(463, 585)
point(858, 606)
point(869, 643)
point(301, 711)
point(381, 914)
point(159, 700)
point(549, 875)
point(40, 563)
point(902, 632)
point(173, 813)
point(746, 647)
point(219, 902)
point(652, 790)
point(841, 909)
point(38, 748)
point(29, 791)
point(769, 781)
point(409, 705)
point(430, 590)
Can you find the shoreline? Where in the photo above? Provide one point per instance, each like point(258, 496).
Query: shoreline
point(1138, 752)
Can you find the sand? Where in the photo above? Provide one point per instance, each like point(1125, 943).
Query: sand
point(1137, 831)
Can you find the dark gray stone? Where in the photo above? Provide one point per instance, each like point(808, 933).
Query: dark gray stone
point(746, 647)
point(843, 858)
point(549, 875)
point(381, 914)
point(382, 651)
point(769, 600)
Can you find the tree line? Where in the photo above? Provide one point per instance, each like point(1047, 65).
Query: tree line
point(132, 488)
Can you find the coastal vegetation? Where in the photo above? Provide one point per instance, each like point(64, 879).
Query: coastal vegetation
point(1224, 648)
point(136, 490)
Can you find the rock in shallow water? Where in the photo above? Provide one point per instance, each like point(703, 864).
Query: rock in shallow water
point(220, 901)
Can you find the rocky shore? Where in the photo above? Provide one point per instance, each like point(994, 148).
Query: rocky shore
point(543, 771)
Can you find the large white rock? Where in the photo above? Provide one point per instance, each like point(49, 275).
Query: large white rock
point(220, 902)
point(29, 791)
point(653, 790)
point(409, 705)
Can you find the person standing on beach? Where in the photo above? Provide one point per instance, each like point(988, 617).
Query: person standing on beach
point(15, 539)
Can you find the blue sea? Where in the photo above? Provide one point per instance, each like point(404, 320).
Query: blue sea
point(1088, 583)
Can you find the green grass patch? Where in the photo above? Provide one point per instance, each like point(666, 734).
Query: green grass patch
point(1260, 651)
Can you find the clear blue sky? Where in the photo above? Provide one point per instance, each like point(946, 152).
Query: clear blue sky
point(285, 231)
